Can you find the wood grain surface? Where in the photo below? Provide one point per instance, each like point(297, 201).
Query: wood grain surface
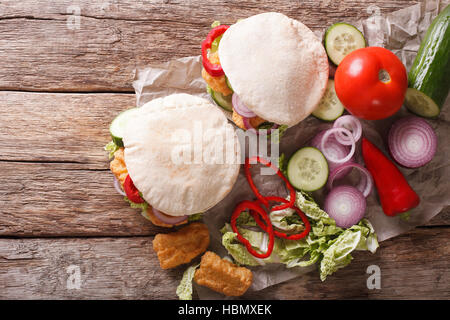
point(59, 89)
point(127, 268)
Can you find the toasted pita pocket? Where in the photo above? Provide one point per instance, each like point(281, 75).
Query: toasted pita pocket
point(182, 154)
point(276, 65)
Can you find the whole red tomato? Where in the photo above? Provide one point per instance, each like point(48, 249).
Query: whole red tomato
point(371, 83)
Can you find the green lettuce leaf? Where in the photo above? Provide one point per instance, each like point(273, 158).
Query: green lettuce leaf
point(111, 147)
point(282, 165)
point(143, 206)
point(312, 210)
point(237, 250)
point(338, 254)
point(215, 24)
point(195, 217)
point(245, 219)
point(287, 220)
point(184, 289)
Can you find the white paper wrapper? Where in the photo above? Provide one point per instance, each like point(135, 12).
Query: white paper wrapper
point(401, 32)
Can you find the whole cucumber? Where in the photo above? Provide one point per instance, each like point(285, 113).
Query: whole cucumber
point(429, 76)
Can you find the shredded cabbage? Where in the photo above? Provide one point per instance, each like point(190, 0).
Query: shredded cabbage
point(184, 289)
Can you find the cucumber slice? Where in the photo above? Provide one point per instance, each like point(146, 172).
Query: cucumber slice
point(307, 169)
point(119, 123)
point(330, 107)
point(229, 84)
point(223, 101)
point(421, 104)
point(340, 39)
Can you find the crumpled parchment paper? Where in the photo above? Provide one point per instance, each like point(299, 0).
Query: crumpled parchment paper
point(401, 32)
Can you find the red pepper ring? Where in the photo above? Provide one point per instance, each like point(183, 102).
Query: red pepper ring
point(214, 70)
point(131, 191)
point(258, 195)
point(242, 206)
point(297, 236)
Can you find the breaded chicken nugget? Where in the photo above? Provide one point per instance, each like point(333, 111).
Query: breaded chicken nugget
point(181, 246)
point(218, 84)
point(118, 166)
point(223, 276)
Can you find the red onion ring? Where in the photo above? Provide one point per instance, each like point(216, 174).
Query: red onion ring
point(412, 142)
point(241, 108)
point(168, 219)
point(365, 185)
point(325, 138)
point(335, 148)
point(346, 205)
point(118, 187)
point(350, 123)
point(248, 126)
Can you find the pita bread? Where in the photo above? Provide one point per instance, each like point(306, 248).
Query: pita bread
point(276, 65)
point(160, 145)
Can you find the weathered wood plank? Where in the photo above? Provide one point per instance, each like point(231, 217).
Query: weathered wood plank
point(413, 266)
point(58, 127)
point(41, 51)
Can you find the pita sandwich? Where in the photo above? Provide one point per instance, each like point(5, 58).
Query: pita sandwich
point(276, 67)
point(182, 155)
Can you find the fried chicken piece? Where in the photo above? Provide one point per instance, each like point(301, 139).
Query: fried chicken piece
point(154, 219)
point(176, 248)
point(223, 276)
point(239, 120)
point(218, 84)
point(118, 166)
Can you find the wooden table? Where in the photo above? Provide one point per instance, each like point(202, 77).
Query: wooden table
point(62, 83)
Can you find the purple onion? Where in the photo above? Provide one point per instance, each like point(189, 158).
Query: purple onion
point(346, 205)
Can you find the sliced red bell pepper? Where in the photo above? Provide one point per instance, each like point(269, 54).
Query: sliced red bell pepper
point(396, 195)
point(242, 206)
point(214, 70)
point(131, 191)
point(258, 195)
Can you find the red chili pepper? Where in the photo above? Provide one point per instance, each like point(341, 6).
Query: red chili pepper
point(396, 195)
point(292, 193)
point(278, 234)
point(214, 70)
point(242, 206)
point(131, 191)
